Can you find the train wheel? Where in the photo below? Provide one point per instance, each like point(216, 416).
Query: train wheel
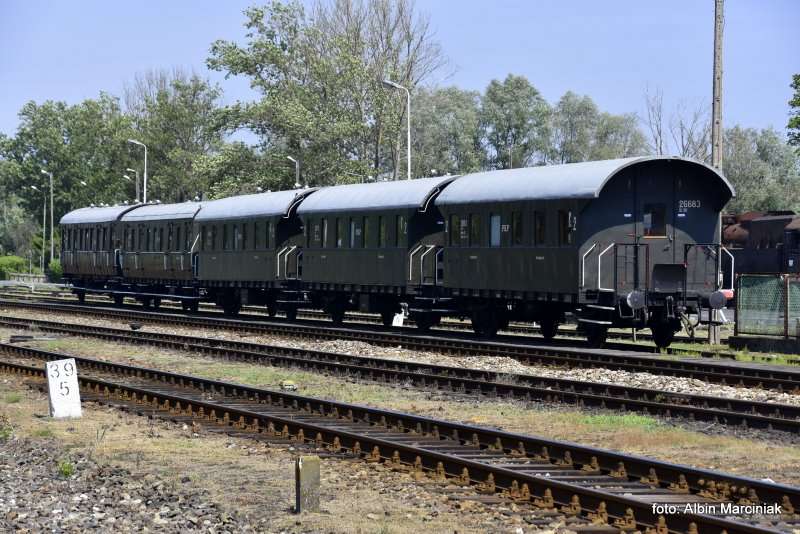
point(194, 306)
point(156, 303)
point(596, 335)
point(549, 328)
point(485, 323)
point(424, 322)
point(146, 303)
point(337, 314)
point(81, 296)
point(291, 314)
point(119, 300)
point(663, 334)
point(272, 310)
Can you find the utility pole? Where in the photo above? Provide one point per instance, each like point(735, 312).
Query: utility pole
point(716, 106)
point(716, 138)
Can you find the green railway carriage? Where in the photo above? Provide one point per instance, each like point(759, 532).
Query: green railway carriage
point(364, 243)
point(250, 250)
point(90, 245)
point(157, 243)
point(628, 242)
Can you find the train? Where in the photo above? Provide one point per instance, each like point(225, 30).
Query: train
point(763, 242)
point(631, 243)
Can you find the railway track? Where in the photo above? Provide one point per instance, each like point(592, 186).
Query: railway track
point(368, 318)
point(457, 380)
point(599, 489)
point(768, 377)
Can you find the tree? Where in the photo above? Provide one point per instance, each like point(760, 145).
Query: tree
point(764, 170)
point(238, 169)
point(794, 113)
point(617, 136)
point(320, 79)
point(574, 122)
point(514, 119)
point(80, 144)
point(446, 125)
point(178, 117)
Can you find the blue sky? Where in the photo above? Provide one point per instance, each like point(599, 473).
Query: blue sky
point(611, 50)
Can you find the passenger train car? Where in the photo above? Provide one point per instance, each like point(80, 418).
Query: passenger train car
point(618, 243)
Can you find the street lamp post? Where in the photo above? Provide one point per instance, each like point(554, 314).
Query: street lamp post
point(136, 172)
point(144, 193)
point(52, 244)
point(296, 171)
point(44, 223)
point(408, 122)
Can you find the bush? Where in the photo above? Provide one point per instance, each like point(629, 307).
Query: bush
point(12, 264)
point(55, 271)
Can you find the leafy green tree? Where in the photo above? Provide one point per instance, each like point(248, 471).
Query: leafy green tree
point(178, 117)
point(794, 113)
point(574, 122)
point(238, 169)
point(763, 169)
point(617, 136)
point(320, 80)
point(446, 125)
point(514, 118)
point(80, 144)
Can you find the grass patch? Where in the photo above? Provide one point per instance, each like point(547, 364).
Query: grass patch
point(5, 428)
point(43, 433)
point(12, 398)
point(621, 421)
point(66, 468)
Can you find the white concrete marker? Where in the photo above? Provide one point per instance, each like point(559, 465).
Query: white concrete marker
point(62, 384)
point(398, 320)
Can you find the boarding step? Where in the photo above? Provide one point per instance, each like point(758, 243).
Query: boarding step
point(292, 302)
point(595, 321)
point(600, 307)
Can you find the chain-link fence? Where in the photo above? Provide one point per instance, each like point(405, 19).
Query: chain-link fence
point(768, 304)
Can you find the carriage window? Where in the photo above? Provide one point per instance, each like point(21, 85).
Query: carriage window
point(365, 231)
point(237, 237)
point(353, 233)
point(169, 238)
point(516, 228)
point(494, 230)
point(202, 238)
point(225, 241)
point(269, 237)
point(381, 231)
point(564, 230)
point(654, 220)
point(244, 236)
point(214, 238)
point(402, 228)
point(186, 235)
point(540, 235)
point(339, 233)
point(454, 230)
point(475, 230)
point(324, 233)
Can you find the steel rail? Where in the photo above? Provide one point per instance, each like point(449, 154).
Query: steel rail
point(581, 479)
point(769, 377)
point(772, 416)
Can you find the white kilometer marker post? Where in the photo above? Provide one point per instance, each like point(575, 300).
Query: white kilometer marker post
point(62, 384)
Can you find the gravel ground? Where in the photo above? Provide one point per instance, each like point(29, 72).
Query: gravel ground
point(489, 363)
point(37, 493)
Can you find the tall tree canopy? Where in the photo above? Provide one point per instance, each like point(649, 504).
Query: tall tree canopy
point(794, 113)
point(515, 122)
point(323, 101)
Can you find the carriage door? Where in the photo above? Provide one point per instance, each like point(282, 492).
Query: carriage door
point(693, 232)
point(654, 251)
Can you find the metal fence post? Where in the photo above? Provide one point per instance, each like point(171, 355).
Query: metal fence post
point(785, 307)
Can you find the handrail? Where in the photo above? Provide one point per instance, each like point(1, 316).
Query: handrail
point(194, 244)
point(286, 261)
point(583, 264)
point(278, 261)
point(733, 260)
point(436, 266)
point(410, 262)
point(422, 263)
point(599, 263)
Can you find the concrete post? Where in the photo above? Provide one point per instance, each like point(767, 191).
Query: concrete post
point(307, 482)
